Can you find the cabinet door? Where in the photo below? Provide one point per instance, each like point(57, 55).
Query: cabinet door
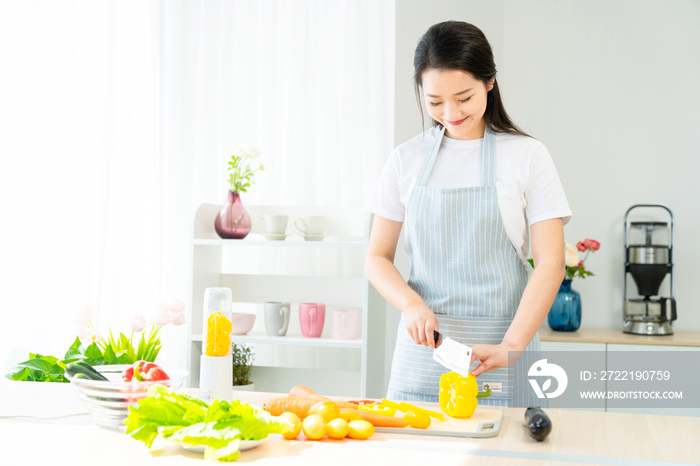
point(596, 349)
point(691, 411)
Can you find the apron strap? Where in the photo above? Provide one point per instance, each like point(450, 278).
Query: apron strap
point(430, 160)
point(488, 170)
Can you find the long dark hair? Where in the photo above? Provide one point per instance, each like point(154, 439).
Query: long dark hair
point(456, 45)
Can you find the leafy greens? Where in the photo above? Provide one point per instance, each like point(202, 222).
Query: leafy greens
point(41, 368)
point(218, 426)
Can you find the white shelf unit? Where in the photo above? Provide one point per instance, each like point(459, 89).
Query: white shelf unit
point(258, 270)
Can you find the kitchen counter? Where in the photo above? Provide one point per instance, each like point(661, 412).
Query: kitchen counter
point(578, 437)
point(615, 336)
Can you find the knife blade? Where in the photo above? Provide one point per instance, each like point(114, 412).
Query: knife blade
point(453, 355)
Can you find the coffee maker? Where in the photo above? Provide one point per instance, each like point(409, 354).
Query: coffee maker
point(649, 247)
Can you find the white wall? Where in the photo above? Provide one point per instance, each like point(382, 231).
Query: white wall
point(611, 88)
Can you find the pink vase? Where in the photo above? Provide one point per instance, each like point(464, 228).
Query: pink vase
point(232, 221)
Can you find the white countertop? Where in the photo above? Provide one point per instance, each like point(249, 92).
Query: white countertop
point(578, 437)
point(616, 336)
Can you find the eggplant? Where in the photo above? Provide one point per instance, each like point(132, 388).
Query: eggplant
point(538, 423)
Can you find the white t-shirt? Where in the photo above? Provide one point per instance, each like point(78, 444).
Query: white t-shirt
point(529, 190)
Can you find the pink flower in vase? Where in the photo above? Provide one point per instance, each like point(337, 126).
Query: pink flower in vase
point(138, 323)
point(592, 244)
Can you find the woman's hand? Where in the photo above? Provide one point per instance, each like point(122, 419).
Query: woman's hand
point(491, 357)
point(420, 323)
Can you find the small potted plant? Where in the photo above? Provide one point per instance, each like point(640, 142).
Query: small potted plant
point(243, 356)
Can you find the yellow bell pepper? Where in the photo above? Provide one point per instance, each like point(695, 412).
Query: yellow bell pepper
point(458, 394)
point(378, 408)
point(405, 407)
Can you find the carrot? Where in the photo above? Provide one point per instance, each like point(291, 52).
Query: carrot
point(301, 391)
point(377, 420)
point(297, 405)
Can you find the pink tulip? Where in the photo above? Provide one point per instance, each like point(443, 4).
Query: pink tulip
point(138, 323)
point(83, 316)
point(581, 247)
point(177, 307)
point(592, 244)
point(84, 333)
point(161, 319)
point(92, 335)
point(177, 319)
point(163, 306)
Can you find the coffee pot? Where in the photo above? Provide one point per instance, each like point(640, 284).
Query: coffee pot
point(649, 247)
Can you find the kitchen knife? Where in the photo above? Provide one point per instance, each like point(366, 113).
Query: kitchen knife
point(454, 356)
point(438, 338)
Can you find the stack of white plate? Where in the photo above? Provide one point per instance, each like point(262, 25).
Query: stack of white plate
point(108, 401)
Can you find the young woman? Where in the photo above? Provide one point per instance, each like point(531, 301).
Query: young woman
point(474, 191)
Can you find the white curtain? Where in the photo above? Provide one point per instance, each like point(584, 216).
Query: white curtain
point(117, 118)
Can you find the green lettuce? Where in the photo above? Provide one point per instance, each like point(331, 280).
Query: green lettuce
point(163, 409)
point(219, 427)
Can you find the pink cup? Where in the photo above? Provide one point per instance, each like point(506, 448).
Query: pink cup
point(311, 318)
point(344, 324)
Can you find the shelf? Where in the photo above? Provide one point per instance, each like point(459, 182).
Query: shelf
point(282, 244)
point(292, 341)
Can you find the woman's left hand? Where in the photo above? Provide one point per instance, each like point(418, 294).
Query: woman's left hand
point(491, 357)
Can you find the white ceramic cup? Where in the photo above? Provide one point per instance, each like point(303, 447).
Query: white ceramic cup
point(273, 224)
point(277, 318)
point(311, 225)
point(344, 324)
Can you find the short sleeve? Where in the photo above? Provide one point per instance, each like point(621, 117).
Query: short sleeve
point(385, 199)
point(544, 194)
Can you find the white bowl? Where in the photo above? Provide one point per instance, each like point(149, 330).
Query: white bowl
point(108, 401)
point(241, 322)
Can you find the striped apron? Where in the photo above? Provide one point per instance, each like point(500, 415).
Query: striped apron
point(467, 271)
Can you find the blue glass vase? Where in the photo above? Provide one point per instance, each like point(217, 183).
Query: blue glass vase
point(565, 314)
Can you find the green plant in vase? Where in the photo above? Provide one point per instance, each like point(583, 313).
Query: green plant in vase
point(241, 177)
point(243, 357)
point(233, 221)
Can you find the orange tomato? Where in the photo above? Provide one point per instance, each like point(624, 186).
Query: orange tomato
point(327, 409)
point(417, 419)
point(294, 425)
point(337, 428)
point(314, 427)
point(350, 417)
point(360, 430)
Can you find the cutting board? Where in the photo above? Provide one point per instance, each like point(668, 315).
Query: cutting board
point(483, 423)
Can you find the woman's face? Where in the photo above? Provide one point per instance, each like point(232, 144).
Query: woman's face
point(457, 100)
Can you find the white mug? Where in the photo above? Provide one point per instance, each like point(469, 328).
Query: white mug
point(273, 224)
point(344, 324)
point(311, 225)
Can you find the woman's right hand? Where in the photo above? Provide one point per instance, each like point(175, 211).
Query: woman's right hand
point(420, 324)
